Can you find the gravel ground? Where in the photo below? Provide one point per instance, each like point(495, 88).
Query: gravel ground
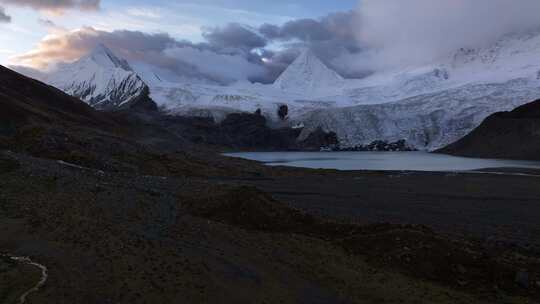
point(493, 207)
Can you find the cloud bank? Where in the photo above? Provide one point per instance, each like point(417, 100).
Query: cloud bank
point(180, 58)
point(419, 31)
point(230, 53)
point(379, 35)
point(331, 38)
point(4, 18)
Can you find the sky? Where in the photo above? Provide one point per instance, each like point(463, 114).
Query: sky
point(226, 41)
point(181, 19)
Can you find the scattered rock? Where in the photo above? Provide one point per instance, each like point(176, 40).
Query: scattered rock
point(320, 139)
point(522, 279)
point(8, 164)
point(283, 111)
point(381, 145)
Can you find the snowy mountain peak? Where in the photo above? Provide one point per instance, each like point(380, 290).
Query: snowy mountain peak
point(105, 58)
point(307, 55)
point(100, 78)
point(308, 74)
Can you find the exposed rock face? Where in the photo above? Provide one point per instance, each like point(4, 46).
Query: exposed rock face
point(142, 102)
point(514, 135)
point(242, 131)
point(250, 131)
point(381, 145)
point(320, 139)
point(283, 111)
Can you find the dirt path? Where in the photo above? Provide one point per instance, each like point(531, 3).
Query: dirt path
point(44, 276)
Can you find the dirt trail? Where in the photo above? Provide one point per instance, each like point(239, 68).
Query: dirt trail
point(44, 276)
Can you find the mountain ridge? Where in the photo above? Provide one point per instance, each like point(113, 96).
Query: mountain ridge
point(101, 79)
point(480, 82)
point(308, 73)
point(513, 135)
point(104, 56)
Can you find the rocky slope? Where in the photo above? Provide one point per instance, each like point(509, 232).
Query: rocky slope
point(26, 101)
point(513, 135)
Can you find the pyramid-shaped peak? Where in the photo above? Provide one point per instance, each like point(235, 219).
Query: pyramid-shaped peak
point(100, 48)
point(307, 54)
point(104, 57)
point(307, 59)
point(309, 74)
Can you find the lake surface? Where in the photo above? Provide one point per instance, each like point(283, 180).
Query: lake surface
point(387, 161)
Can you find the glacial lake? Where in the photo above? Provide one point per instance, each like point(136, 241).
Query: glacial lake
point(384, 161)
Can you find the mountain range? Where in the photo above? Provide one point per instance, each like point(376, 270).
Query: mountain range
point(429, 106)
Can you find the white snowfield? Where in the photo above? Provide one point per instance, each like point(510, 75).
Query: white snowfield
point(430, 107)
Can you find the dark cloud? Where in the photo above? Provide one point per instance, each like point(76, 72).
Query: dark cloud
point(46, 23)
point(332, 38)
point(234, 35)
point(181, 58)
point(303, 29)
point(4, 18)
point(55, 5)
point(334, 26)
point(71, 45)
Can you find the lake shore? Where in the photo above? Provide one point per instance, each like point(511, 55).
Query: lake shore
point(469, 203)
point(381, 161)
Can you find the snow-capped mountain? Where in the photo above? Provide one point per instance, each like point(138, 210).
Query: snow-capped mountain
point(100, 78)
point(429, 106)
point(309, 75)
